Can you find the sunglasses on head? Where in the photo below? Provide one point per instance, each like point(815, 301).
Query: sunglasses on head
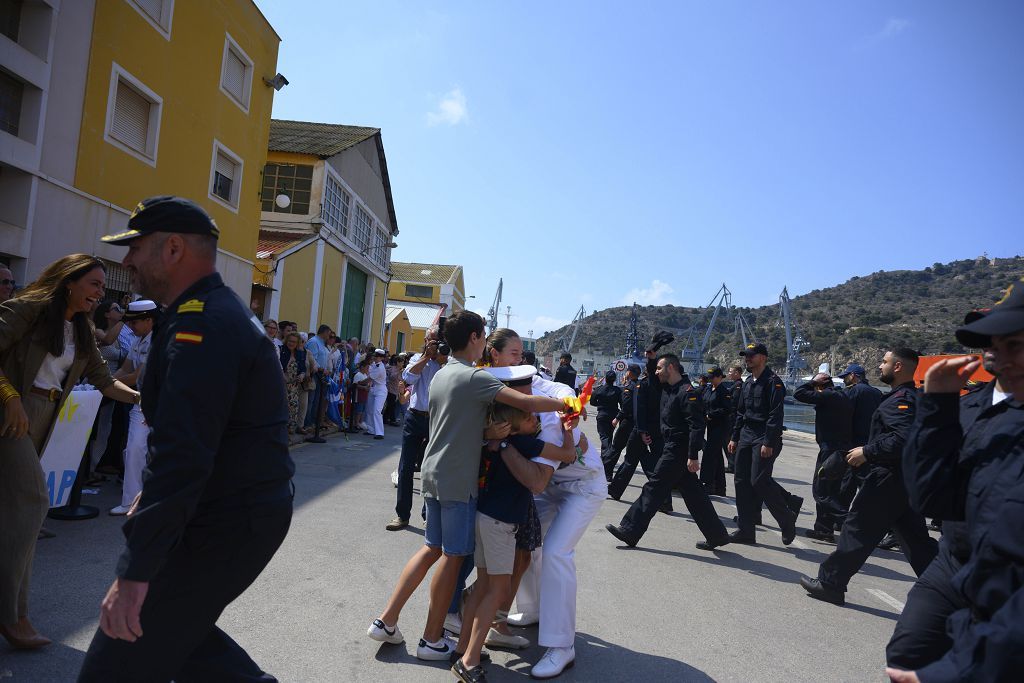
point(5, 282)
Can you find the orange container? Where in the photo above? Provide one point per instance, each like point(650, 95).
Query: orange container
point(924, 362)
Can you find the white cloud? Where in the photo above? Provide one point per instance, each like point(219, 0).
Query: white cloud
point(658, 294)
point(893, 27)
point(451, 110)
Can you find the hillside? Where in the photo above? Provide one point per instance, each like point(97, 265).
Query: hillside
point(860, 318)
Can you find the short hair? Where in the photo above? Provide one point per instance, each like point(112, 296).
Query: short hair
point(460, 327)
point(323, 328)
point(671, 359)
point(736, 368)
point(501, 412)
point(204, 245)
point(565, 356)
point(906, 355)
point(269, 321)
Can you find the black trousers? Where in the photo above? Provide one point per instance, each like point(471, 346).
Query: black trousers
point(637, 452)
point(830, 502)
point(218, 557)
point(619, 440)
point(605, 430)
point(755, 486)
point(414, 444)
point(880, 505)
point(712, 464)
point(920, 637)
point(670, 472)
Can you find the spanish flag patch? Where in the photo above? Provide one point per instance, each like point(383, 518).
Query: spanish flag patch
point(191, 306)
point(902, 407)
point(188, 337)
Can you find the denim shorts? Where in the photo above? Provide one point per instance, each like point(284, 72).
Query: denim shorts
point(451, 526)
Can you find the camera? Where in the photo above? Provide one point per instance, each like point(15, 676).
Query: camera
point(442, 345)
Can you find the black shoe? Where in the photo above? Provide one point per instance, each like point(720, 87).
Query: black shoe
point(826, 536)
point(819, 591)
point(789, 532)
point(620, 533)
point(485, 657)
point(720, 493)
point(711, 545)
point(379, 436)
point(935, 525)
point(795, 503)
point(737, 537)
point(474, 675)
point(736, 518)
point(614, 497)
point(889, 543)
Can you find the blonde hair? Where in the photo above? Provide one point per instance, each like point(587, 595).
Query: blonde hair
point(501, 412)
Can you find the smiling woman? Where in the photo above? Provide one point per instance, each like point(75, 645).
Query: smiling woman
point(46, 346)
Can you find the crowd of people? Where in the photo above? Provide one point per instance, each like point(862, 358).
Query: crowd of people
point(211, 396)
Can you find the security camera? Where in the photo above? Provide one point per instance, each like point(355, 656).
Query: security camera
point(277, 82)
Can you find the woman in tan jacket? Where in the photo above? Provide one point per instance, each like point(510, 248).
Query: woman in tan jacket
point(46, 346)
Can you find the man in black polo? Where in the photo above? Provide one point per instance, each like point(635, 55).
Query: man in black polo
point(566, 373)
point(216, 501)
point(607, 399)
point(882, 502)
point(756, 441)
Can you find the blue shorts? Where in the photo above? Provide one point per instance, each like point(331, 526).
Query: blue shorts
point(451, 526)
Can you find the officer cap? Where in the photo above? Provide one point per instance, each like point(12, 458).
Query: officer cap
point(853, 369)
point(754, 349)
point(380, 352)
point(715, 371)
point(143, 308)
point(514, 375)
point(1005, 317)
point(165, 213)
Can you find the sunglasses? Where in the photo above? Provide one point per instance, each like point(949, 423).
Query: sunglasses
point(5, 282)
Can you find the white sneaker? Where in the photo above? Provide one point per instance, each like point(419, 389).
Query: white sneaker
point(496, 638)
point(394, 478)
point(436, 652)
point(381, 633)
point(554, 662)
point(120, 510)
point(523, 619)
point(453, 623)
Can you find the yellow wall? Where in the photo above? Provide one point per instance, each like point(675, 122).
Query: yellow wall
point(330, 287)
point(185, 72)
point(414, 342)
point(396, 292)
point(297, 286)
point(399, 324)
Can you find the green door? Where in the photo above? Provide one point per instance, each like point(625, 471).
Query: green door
point(352, 310)
point(400, 345)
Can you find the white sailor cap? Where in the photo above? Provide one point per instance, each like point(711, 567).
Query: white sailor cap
point(380, 352)
point(514, 375)
point(143, 308)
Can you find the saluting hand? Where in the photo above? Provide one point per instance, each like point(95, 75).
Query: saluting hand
point(949, 376)
point(119, 611)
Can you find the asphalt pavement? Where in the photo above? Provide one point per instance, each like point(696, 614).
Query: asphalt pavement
point(662, 611)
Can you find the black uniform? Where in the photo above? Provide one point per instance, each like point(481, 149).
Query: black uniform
point(833, 430)
point(882, 503)
point(759, 423)
point(566, 374)
point(626, 418)
point(681, 421)
point(217, 497)
point(607, 398)
point(647, 410)
point(958, 470)
point(735, 393)
point(865, 399)
point(718, 406)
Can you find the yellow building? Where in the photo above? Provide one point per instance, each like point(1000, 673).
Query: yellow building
point(426, 292)
point(149, 97)
point(326, 229)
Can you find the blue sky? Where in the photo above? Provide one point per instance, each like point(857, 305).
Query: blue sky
point(598, 153)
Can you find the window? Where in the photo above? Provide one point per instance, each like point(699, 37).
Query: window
point(133, 116)
point(157, 13)
point(295, 182)
point(225, 176)
point(379, 251)
point(10, 18)
point(363, 223)
point(236, 74)
point(419, 291)
point(336, 206)
point(11, 91)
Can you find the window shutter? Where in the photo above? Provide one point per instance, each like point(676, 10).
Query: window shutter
point(234, 76)
point(130, 123)
point(225, 166)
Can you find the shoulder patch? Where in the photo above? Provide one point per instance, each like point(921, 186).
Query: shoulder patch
point(902, 406)
point(191, 306)
point(692, 398)
point(189, 337)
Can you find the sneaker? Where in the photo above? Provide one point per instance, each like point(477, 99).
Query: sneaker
point(120, 510)
point(474, 675)
point(485, 657)
point(381, 633)
point(397, 524)
point(453, 623)
point(435, 652)
point(496, 638)
point(523, 619)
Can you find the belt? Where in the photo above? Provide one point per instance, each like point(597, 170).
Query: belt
point(51, 395)
point(422, 413)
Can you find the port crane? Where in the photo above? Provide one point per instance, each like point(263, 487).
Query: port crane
point(693, 349)
point(743, 329)
point(569, 336)
point(795, 342)
point(492, 313)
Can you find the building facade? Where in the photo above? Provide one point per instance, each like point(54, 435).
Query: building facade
point(427, 292)
point(118, 100)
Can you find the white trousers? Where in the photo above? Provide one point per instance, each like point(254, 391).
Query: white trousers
point(548, 588)
point(134, 456)
point(375, 411)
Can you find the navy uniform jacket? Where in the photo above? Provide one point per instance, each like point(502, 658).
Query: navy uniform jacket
point(735, 392)
point(648, 406)
point(760, 413)
point(682, 419)
point(606, 398)
point(627, 403)
point(865, 399)
point(718, 405)
point(958, 459)
point(833, 415)
point(566, 374)
point(889, 428)
point(214, 400)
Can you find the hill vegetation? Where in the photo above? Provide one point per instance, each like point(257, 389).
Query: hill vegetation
point(855, 321)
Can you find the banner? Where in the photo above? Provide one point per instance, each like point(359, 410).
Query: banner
point(63, 452)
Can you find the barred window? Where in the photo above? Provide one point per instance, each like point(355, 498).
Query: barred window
point(336, 206)
point(363, 225)
point(293, 181)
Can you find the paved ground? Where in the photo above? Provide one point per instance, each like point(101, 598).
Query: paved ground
point(662, 611)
